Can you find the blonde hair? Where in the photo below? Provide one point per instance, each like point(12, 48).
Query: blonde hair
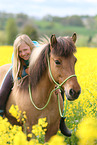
point(16, 60)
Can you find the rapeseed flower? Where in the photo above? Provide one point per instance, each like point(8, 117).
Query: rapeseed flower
point(87, 131)
point(20, 139)
point(56, 140)
point(40, 128)
point(14, 110)
point(5, 54)
point(42, 122)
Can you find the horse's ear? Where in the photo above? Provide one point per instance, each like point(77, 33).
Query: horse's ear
point(74, 37)
point(53, 40)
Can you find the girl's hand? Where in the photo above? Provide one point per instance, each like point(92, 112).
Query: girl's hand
point(27, 70)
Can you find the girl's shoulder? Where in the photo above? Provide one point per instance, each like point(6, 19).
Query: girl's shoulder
point(36, 43)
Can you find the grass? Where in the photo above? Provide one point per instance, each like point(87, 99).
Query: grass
point(50, 27)
point(83, 34)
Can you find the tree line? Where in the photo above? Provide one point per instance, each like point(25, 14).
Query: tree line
point(13, 24)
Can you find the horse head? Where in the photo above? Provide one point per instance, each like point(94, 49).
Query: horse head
point(62, 64)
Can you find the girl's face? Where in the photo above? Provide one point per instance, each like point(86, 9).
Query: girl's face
point(24, 51)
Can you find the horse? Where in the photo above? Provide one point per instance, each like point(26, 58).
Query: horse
point(51, 71)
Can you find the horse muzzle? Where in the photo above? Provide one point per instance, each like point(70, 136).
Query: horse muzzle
point(72, 94)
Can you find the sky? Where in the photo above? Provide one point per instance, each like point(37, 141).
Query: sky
point(41, 8)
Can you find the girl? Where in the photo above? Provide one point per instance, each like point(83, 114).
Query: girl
point(23, 46)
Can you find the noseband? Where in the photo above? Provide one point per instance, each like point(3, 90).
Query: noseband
point(58, 87)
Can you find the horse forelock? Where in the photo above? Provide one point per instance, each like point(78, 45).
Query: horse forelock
point(64, 46)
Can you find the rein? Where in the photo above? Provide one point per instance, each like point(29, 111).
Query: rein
point(58, 87)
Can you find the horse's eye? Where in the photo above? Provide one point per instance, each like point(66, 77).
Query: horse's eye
point(57, 61)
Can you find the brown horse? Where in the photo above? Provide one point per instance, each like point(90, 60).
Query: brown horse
point(50, 65)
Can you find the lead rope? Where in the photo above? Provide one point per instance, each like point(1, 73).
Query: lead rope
point(58, 87)
point(47, 101)
point(64, 112)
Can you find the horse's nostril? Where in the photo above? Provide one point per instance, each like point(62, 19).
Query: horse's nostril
point(72, 92)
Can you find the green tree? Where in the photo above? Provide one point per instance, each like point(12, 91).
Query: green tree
point(95, 24)
point(31, 32)
point(21, 20)
point(75, 21)
point(11, 31)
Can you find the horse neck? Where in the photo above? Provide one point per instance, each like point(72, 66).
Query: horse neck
point(44, 86)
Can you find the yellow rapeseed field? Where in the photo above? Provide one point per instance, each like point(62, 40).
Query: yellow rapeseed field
point(5, 54)
point(81, 115)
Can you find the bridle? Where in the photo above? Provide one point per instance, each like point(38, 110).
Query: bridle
point(58, 87)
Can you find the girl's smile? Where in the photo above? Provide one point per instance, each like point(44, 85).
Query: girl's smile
point(24, 51)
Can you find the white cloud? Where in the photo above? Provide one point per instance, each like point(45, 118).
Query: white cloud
point(39, 0)
point(41, 8)
point(81, 1)
point(34, 1)
point(91, 1)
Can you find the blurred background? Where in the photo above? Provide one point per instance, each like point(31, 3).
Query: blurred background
point(37, 18)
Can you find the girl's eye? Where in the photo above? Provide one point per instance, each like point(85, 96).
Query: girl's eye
point(25, 49)
point(19, 52)
point(57, 61)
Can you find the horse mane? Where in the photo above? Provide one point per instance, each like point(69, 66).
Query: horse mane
point(38, 61)
point(43, 41)
point(38, 65)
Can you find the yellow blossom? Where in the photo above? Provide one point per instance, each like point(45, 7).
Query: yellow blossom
point(20, 139)
point(56, 140)
point(87, 131)
point(14, 110)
